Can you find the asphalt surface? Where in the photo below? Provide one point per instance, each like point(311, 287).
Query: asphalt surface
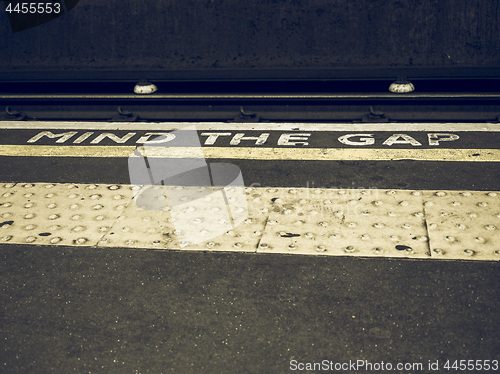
point(69, 309)
point(125, 311)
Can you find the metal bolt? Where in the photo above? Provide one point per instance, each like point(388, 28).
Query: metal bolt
point(238, 245)
point(29, 216)
point(91, 187)
point(55, 240)
point(378, 225)
point(482, 204)
point(377, 203)
point(28, 205)
point(391, 192)
point(469, 252)
point(461, 226)
point(210, 244)
point(490, 227)
point(378, 250)
point(394, 238)
point(416, 193)
point(323, 224)
point(365, 237)
point(404, 203)
point(480, 239)
point(80, 240)
point(450, 238)
point(291, 247)
point(7, 237)
point(456, 203)
point(335, 236)
point(321, 248)
point(264, 245)
point(309, 235)
point(440, 193)
point(492, 194)
point(438, 251)
point(428, 203)
point(30, 239)
point(349, 249)
point(466, 194)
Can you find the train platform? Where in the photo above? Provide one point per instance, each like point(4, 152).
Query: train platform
point(188, 247)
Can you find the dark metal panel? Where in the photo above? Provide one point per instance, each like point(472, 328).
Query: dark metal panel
point(258, 39)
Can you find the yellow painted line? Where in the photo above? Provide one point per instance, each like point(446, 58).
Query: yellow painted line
point(255, 153)
point(65, 151)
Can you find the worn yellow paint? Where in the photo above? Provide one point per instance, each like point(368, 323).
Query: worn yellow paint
point(256, 153)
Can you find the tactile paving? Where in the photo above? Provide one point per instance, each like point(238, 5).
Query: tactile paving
point(463, 224)
point(346, 222)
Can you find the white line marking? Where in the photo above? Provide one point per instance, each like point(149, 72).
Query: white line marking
point(207, 126)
